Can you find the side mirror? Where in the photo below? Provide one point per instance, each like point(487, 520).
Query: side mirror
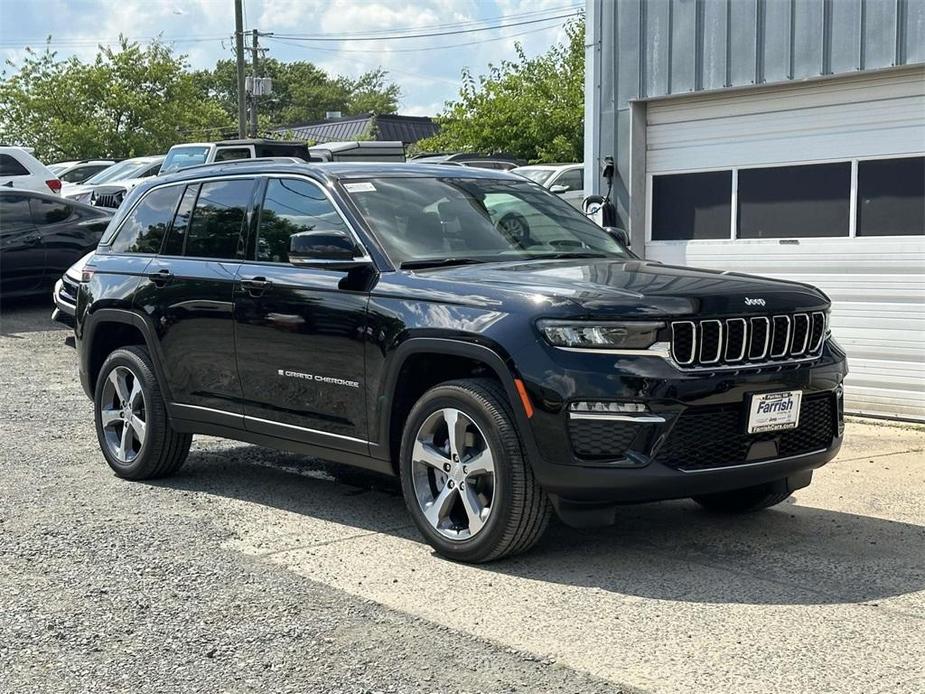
point(558, 189)
point(333, 250)
point(621, 235)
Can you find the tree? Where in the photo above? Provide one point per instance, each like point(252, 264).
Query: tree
point(531, 108)
point(302, 92)
point(129, 101)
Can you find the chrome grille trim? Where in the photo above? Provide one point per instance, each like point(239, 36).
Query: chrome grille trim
point(693, 325)
point(782, 343)
point(767, 338)
point(783, 352)
point(800, 318)
point(719, 342)
point(741, 356)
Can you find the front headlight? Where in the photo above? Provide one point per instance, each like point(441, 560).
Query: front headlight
point(602, 335)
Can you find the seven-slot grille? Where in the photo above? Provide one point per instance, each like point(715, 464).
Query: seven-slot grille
point(747, 341)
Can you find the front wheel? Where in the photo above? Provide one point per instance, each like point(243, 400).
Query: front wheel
point(464, 475)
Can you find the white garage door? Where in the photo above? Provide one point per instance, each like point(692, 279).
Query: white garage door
point(820, 182)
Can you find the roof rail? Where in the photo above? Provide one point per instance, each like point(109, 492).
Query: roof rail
point(236, 162)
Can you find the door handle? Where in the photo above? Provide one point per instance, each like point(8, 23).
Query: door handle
point(255, 286)
point(161, 277)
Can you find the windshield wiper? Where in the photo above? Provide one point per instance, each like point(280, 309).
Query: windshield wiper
point(568, 254)
point(438, 262)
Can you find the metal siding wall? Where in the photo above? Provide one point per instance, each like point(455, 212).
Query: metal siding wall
point(808, 30)
point(743, 44)
point(915, 32)
point(879, 37)
point(656, 18)
point(777, 16)
point(713, 65)
point(684, 42)
point(846, 36)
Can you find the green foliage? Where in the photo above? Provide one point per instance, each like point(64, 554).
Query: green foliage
point(532, 108)
point(302, 92)
point(130, 100)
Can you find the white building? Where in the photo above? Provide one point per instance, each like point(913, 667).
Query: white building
point(777, 137)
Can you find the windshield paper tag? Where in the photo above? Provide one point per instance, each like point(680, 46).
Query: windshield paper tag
point(361, 187)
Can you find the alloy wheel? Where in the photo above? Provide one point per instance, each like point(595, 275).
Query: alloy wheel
point(123, 414)
point(453, 473)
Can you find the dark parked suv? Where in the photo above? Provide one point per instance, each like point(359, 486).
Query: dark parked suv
point(379, 315)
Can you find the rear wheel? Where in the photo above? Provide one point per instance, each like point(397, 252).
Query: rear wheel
point(744, 500)
point(131, 419)
point(464, 475)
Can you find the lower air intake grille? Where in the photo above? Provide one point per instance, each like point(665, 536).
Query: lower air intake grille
point(714, 437)
point(601, 439)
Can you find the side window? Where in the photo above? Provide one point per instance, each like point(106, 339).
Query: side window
point(10, 167)
point(145, 227)
point(291, 206)
point(176, 240)
point(571, 179)
point(45, 211)
point(14, 212)
point(218, 218)
point(232, 153)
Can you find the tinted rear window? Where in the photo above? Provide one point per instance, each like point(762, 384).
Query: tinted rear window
point(10, 167)
point(218, 219)
point(145, 227)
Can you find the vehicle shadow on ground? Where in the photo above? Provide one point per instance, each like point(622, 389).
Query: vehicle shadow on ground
point(792, 554)
point(27, 315)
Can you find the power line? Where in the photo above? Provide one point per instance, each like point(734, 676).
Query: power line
point(348, 37)
point(413, 50)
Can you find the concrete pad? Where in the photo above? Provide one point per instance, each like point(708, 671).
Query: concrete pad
point(825, 593)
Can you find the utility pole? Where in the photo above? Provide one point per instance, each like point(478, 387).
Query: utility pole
point(239, 55)
point(255, 52)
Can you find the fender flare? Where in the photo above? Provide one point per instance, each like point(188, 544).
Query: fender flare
point(102, 316)
point(451, 347)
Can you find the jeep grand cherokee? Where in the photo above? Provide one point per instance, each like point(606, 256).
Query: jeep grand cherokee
point(465, 330)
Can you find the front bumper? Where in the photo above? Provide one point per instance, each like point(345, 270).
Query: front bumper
point(692, 439)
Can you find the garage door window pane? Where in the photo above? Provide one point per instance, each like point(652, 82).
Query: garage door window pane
point(794, 201)
point(891, 197)
point(691, 206)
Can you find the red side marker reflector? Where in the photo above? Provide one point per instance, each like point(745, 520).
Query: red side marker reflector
point(524, 398)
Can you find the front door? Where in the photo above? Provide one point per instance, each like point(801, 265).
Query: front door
point(300, 331)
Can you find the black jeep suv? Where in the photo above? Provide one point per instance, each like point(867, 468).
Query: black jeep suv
point(465, 330)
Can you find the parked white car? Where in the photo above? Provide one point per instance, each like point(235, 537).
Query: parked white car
point(117, 180)
point(565, 180)
point(19, 169)
point(79, 171)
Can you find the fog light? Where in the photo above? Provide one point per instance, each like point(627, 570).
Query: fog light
point(597, 406)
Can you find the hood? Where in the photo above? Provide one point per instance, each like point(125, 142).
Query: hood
point(639, 287)
point(73, 190)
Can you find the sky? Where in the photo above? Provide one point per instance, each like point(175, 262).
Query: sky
point(427, 69)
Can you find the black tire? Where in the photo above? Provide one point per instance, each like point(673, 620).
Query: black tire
point(520, 510)
point(163, 450)
point(745, 500)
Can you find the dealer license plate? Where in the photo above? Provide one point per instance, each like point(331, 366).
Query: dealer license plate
point(774, 411)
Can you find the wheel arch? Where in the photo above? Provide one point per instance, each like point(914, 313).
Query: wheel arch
point(108, 329)
point(414, 370)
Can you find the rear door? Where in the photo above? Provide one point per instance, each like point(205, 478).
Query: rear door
point(189, 291)
point(300, 331)
point(22, 252)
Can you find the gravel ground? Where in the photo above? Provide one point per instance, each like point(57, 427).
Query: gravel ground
point(111, 586)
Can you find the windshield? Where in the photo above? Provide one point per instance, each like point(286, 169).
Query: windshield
point(57, 168)
point(423, 221)
point(130, 168)
point(183, 157)
point(536, 175)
